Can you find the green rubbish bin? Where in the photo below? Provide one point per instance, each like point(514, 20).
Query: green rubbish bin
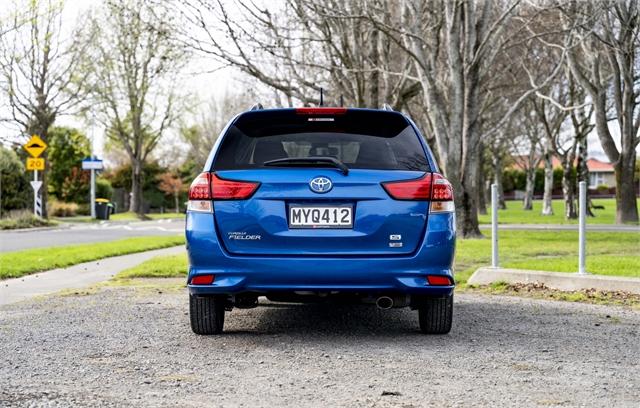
point(103, 209)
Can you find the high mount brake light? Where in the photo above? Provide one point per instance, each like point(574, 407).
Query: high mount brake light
point(208, 186)
point(321, 111)
point(430, 187)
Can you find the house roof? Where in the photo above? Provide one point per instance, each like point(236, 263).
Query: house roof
point(600, 166)
point(594, 165)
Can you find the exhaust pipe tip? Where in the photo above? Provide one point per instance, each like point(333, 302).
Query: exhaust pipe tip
point(384, 303)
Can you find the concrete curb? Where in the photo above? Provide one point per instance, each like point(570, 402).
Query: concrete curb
point(565, 227)
point(76, 276)
point(555, 280)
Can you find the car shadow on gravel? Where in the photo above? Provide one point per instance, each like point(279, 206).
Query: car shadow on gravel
point(476, 320)
point(323, 319)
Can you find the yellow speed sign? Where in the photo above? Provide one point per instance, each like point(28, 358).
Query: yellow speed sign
point(35, 164)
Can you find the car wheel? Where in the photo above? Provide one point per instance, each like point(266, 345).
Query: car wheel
point(206, 314)
point(435, 315)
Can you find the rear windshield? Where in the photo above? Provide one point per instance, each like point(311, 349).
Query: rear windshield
point(359, 139)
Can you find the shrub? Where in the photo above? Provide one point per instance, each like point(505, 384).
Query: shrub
point(103, 188)
point(23, 219)
point(16, 193)
point(67, 147)
point(61, 209)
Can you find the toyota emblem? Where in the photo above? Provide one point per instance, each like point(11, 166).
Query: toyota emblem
point(320, 185)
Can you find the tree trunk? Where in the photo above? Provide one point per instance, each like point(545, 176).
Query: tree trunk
point(583, 170)
point(176, 198)
point(547, 198)
point(528, 192)
point(568, 190)
point(374, 83)
point(486, 192)
point(626, 201)
point(482, 198)
point(482, 201)
point(497, 178)
point(466, 201)
point(135, 205)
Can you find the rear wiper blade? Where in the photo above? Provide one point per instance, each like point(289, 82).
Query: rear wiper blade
point(306, 161)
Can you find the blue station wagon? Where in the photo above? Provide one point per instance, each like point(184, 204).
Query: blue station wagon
point(320, 204)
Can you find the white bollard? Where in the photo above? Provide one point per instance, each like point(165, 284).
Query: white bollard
point(494, 225)
point(582, 228)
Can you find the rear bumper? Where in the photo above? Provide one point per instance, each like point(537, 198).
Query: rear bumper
point(260, 274)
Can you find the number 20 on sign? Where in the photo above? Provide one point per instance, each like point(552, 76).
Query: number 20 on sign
point(35, 164)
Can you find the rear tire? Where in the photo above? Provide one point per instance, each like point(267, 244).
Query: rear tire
point(207, 314)
point(436, 315)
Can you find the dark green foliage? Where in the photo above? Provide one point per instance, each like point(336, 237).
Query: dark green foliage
point(153, 196)
point(103, 188)
point(67, 181)
point(517, 180)
point(15, 189)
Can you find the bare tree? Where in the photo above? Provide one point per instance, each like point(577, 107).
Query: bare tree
point(552, 116)
point(299, 46)
point(131, 83)
point(454, 46)
point(210, 119)
point(171, 184)
point(40, 71)
point(605, 60)
point(527, 149)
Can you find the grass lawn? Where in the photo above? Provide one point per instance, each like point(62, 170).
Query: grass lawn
point(514, 214)
point(19, 263)
point(168, 266)
point(608, 253)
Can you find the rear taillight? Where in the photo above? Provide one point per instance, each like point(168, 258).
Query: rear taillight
point(200, 188)
point(441, 189)
point(432, 186)
point(222, 189)
point(418, 189)
point(208, 186)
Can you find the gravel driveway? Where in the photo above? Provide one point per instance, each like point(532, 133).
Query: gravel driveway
point(133, 347)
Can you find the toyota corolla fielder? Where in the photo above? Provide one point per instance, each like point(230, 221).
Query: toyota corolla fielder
point(314, 204)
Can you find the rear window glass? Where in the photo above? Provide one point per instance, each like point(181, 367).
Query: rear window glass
point(359, 139)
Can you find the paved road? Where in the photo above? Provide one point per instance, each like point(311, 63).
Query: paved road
point(84, 233)
point(133, 347)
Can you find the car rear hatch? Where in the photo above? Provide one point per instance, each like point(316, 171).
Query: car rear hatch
point(305, 202)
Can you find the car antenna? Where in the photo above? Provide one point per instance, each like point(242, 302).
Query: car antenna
point(321, 99)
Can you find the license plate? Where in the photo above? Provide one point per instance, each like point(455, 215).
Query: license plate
point(306, 216)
